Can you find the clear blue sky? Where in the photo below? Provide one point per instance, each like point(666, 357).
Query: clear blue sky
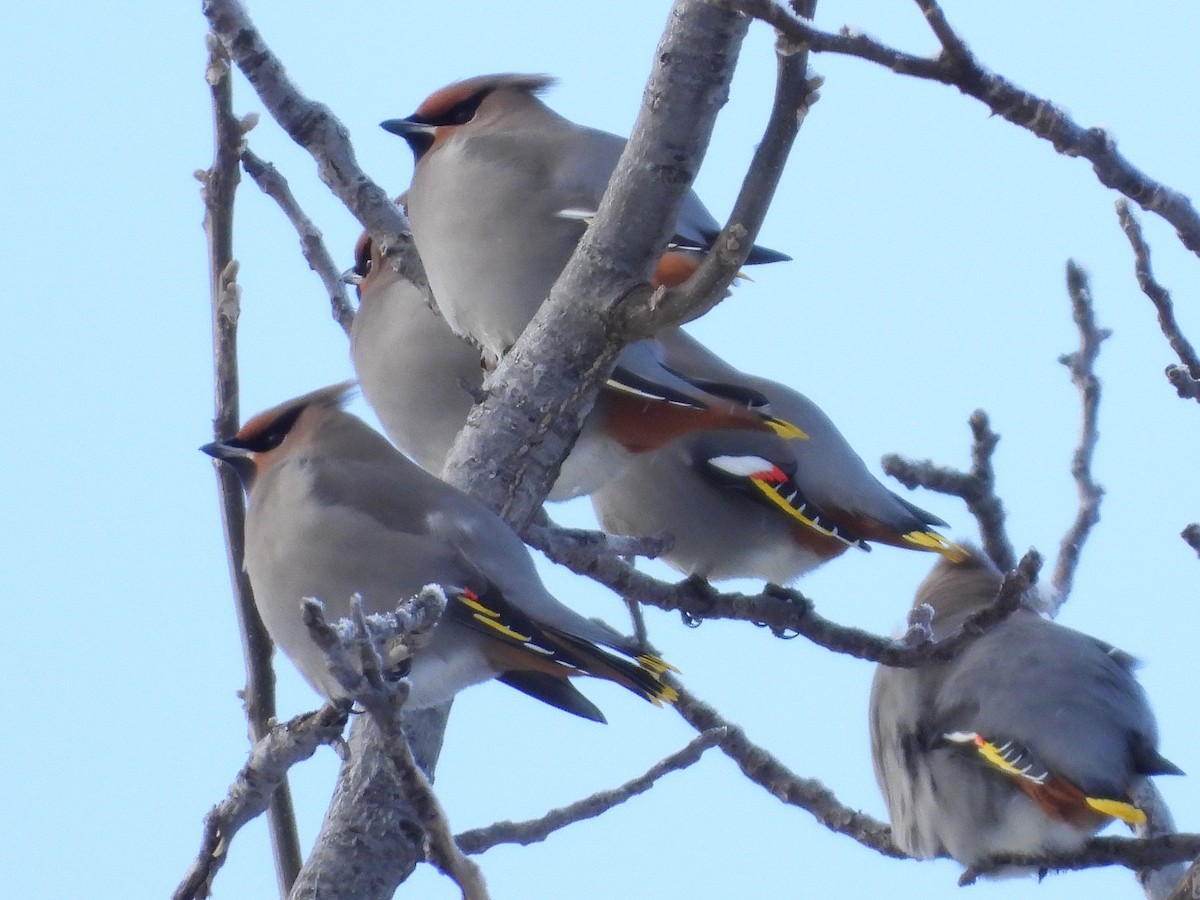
point(929, 242)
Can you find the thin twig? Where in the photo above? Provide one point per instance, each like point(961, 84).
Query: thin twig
point(1133, 853)
point(1082, 365)
point(314, 127)
point(956, 66)
point(219, 187)
point(977, 487)
point(784, 611)
point(795, 94)
point(264, 772)
point(1185, 385)
point(1191, 534)
point(312, 244)
point(766, 771)
point(1157, 882)
point(532, 831)
point(1187, 378)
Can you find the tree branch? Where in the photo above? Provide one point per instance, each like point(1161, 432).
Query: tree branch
point(264, 772)
point(807, 793)
point(368, 842)
point(1156, 882)
point(1185, 378)
point(1189, 886)
point(356, 652)
point(1191, 534)
point(1082, 365)
point(314, 127)
point(794, 96)
point(312, 244)
point(547, 383)
point(784, 611)
point(219, 187)
point(956, 66)
point(1151, 853)
point(977, 487)
point(532, 831)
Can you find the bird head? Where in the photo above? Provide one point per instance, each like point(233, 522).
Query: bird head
point(481, 101)
point(272, 435)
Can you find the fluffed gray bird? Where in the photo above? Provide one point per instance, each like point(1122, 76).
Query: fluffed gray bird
point(419, 378)
point(502, 192)
point(335, 511)
point(749, 504)
point(1027, 742)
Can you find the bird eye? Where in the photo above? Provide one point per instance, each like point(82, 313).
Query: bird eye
point(272, 440)
point(464, 111)
point(271, 436)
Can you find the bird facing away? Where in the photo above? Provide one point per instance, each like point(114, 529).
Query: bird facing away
point(749, 504)
point(420, 379)
point(1027, 742)
point(502, 191)
point(335, 510)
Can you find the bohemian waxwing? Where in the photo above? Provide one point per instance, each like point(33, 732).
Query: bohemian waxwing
point(502, 191)
point(419, 378)
point(1027, 742)
point(335, 511)
point(747, 504)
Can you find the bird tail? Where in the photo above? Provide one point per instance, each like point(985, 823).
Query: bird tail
point(531, 646)
point(936, 543)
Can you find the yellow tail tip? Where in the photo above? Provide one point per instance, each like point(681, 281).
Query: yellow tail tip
point(1118, 809)
point(666, 694)
point(935, 543)
point(655, 664)
point(785, 429)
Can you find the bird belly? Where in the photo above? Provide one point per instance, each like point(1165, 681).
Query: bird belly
point(491, 251)
point(450, 663)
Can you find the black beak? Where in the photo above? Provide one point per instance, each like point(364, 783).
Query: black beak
point(239, 459)
point(224, 452)
point(418, 135)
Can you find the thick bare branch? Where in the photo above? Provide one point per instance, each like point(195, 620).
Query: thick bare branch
point(766, 771)
point(270, 758)
point(1082, 365)
point(785, 612)
point(547, 383)
point(356, 652)
point(371, 840)
point(314, 127)
point(977, 487)
point(956, 66)
point(534, 830)
point(219, 187)
point(1185, 378)
point(312, 244)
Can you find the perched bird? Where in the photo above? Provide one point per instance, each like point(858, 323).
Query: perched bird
point(748, 504)
point(502, 191)
point(1027, 742)
point(420, 379)
point(336, 511)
